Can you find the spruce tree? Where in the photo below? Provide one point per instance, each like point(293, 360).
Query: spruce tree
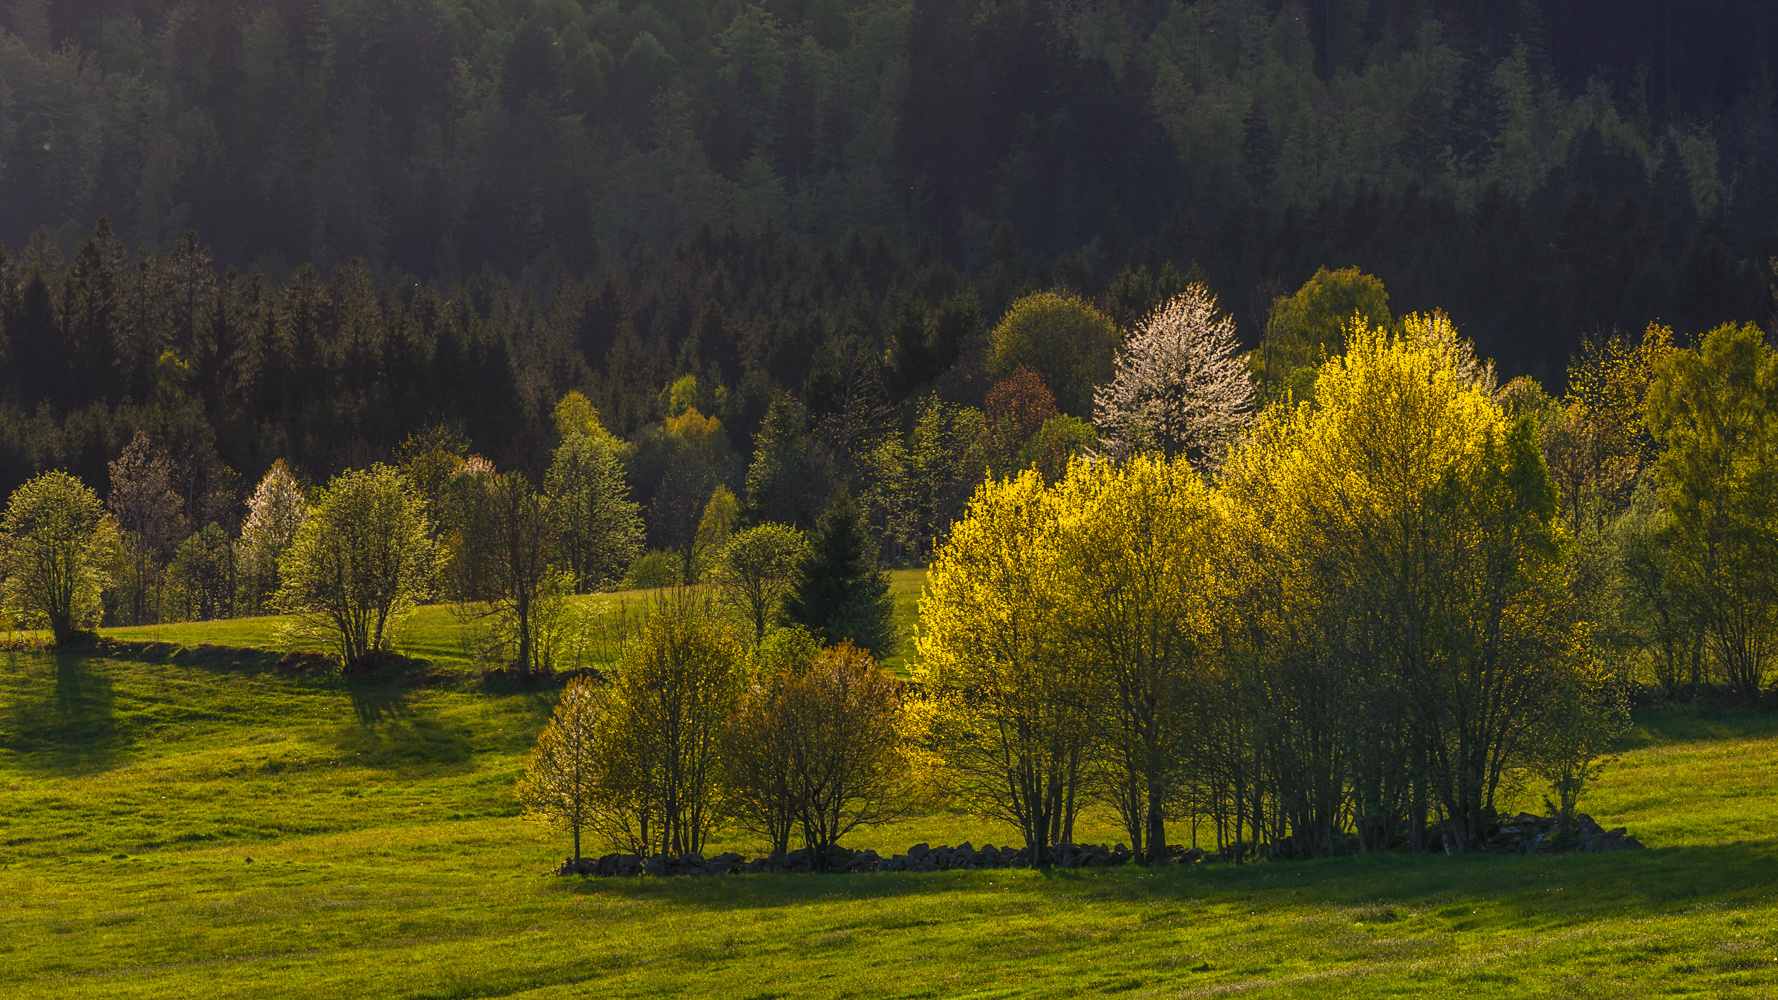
point(838, 592)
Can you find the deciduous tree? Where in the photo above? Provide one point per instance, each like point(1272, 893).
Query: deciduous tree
point(358, 564)
point(58, 541)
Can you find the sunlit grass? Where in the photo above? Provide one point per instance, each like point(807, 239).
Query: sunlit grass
point(436, 633)
point(388, 860)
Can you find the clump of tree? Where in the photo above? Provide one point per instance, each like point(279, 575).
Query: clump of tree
point(566, 774)
point(358, 564)
point(1378, 634)
point(1715, 413)
point(672, 694)
point(817, 745)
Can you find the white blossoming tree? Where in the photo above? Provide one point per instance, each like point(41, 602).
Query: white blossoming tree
point(274, 513)
point(1180, 387)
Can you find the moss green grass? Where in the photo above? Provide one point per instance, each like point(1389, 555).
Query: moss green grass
point(388, 860)
point(434, 633)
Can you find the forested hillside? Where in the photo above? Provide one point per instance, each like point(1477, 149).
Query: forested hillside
point(1543, 170)
point(341, 232)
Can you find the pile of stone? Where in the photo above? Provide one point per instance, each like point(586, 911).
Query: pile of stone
point(919, 858)
point(1529, 834)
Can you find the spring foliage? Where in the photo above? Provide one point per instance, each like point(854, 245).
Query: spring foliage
point(359, 563)
point(1372, 618)
point(1181, 387)
point(58, 541)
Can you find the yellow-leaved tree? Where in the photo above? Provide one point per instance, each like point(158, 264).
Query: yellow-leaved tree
point(1414, 616)
point(1009, 706)
point(1144, 584)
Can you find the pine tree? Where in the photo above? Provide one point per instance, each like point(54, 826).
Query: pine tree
point(839, 593)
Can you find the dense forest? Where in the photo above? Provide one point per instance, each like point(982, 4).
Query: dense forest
point(322, 231)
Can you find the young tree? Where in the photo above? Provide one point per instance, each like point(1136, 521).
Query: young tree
point(692, 454)
point(600, 527)
point(501, 559)
point(358, 564)
point(839, 593)
point(149, 513)
point(721, 514)
point(755, 570)
point(430, 459)
point(1715, 413)
point(1585, 710)
point(784, 483)
point(274, 513)
point(818, 743)
point(57, 543)
point(564, 777)
point(675, 689)
point(757, 754)
point(201, 577)
point(1181, 386)
point(1011, 708)
point(844, 737)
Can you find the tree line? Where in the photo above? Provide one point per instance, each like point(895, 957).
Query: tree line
point(1358, 618)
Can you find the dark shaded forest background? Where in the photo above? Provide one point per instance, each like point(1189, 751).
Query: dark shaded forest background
point(329, 224)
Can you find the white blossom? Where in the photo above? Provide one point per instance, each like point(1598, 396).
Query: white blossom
point(1180, 387)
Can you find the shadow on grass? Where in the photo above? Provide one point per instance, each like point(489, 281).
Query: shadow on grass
point(1693, 723)
point(1475, 889)
point(68, 725)
point(391, 734)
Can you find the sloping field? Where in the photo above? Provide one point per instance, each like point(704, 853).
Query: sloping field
point(433, 632)
point(387, 860)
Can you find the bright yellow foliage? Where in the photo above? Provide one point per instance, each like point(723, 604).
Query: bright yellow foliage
point(575, 415)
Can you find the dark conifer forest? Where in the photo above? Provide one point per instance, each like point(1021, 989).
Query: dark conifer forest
point(310, 229)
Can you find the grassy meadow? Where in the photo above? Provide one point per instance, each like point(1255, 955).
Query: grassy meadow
point(435, 633)
point(197, 825)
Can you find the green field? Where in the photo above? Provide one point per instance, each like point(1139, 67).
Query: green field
point(387, 860)
point(434, 633)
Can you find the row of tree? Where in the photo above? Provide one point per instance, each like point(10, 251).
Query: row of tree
point(695, 730)
point(1381, 613)
point(1400, 595)
point(350, 559)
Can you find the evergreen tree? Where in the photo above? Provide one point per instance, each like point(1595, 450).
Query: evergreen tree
point(839, 593)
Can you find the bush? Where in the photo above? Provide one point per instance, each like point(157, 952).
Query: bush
point(655, 570)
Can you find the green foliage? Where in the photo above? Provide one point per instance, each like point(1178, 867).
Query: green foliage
point(1066, 341)
point(574, 414)
point(653, 570)
point(1308, 327)
point(755, 571)
point(838, 593)
point(58, 542)
point(1715, 412)
point(599, 528)
point(672, 695)
point(201, 578)
point(721, 515)
point(562, 779)
point(358, 564)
